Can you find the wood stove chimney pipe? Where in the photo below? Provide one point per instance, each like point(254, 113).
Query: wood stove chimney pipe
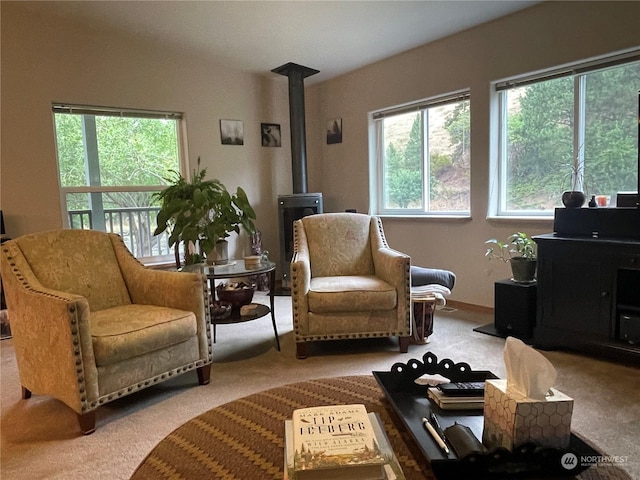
point(296, 74)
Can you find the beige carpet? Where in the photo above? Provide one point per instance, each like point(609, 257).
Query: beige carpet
point(40, 437)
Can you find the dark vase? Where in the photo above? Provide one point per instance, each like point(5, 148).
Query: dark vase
point(573, 199)
point(523, 269)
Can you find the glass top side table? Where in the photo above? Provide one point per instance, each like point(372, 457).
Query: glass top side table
point(236, 269)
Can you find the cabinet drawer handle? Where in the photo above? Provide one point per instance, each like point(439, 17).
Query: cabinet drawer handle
point(604, 294)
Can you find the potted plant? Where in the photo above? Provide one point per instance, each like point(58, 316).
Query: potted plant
point(575, 197)
point(520, 251)
point(202, 214)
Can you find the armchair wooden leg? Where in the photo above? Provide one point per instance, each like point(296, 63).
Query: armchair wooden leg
point(301, 350)
point(87, 422)
point(204, 374)
point(404, 344)
point(26, 393)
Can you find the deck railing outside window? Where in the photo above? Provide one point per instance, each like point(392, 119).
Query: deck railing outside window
point(134, 225)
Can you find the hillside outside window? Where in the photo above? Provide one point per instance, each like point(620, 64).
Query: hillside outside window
point(420, 163)
point(571, 129)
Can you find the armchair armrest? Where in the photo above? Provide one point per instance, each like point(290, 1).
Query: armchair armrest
point(300, 270)
point(393, 267)
point(181, 290)
point(54, 324)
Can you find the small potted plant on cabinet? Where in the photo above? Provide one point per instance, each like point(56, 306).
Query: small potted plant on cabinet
point(520, 251)
point(202, 213)
point(575, 197)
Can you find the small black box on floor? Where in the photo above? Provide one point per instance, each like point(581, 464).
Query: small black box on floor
point(515, 308)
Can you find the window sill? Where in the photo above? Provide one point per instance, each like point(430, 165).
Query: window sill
point(520, 218)
point(446, 217)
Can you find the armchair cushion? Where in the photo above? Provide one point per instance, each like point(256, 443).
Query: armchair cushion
point(128, 331)
point(357, 293)
point(339, 245)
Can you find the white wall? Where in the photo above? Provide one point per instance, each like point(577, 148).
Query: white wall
point(540, 37)
point(46, 60)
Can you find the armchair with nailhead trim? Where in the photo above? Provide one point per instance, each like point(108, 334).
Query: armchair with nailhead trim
point(346, 282)
point(91, 324)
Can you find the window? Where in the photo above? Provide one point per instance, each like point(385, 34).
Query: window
point(111, 162)
point(421, 158)
point(572, 129)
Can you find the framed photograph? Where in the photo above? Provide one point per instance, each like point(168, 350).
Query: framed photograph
point(270, 135)
point(232, 132)
point(334, 131)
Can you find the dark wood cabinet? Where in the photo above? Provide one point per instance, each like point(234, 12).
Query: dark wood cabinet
point(585, 286)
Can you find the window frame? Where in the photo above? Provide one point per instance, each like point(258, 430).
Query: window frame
point(89, 110)
point(499, 126)
point(377, 152)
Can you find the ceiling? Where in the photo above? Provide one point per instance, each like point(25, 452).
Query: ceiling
point(334, 37)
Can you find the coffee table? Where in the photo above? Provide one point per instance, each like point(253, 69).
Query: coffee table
point(237, 269)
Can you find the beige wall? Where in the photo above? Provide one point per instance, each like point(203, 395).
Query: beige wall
point(45, 61)
point(541, 37)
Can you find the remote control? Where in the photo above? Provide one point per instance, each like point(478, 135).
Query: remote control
point(462, 389)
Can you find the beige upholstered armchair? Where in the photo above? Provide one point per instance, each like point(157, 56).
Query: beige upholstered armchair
point(91, 324)
point(346, 282)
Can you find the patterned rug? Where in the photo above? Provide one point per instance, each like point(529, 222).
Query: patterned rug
point(244, 439)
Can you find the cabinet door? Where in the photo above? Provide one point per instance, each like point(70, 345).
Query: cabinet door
point(575, 285)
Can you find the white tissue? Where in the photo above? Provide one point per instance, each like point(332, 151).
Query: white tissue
point(529, 373)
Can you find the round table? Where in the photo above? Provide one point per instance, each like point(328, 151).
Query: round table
point(237, 269)
point(244, 439)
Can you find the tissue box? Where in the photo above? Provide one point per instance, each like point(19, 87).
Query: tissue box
point(511, 419)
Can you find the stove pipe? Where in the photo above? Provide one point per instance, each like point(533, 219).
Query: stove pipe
point(296, 74)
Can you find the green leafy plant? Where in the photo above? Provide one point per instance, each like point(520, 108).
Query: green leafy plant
point(202, 212)
point(517, 245)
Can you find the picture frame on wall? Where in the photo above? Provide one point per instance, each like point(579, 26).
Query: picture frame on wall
point(271, 136)
point(232, 132)
point(334, 131)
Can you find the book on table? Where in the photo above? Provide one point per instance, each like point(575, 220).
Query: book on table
point(448, 402)
point(338, 442)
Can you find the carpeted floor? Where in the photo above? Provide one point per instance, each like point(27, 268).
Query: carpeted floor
point(40, 438)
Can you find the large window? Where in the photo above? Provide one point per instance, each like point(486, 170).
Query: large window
point(571, 129)
point(420, 161)
point(111, 162)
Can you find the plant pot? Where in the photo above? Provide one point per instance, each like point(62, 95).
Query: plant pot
point(220, 253)
point(523, 269)
point(573, 199)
